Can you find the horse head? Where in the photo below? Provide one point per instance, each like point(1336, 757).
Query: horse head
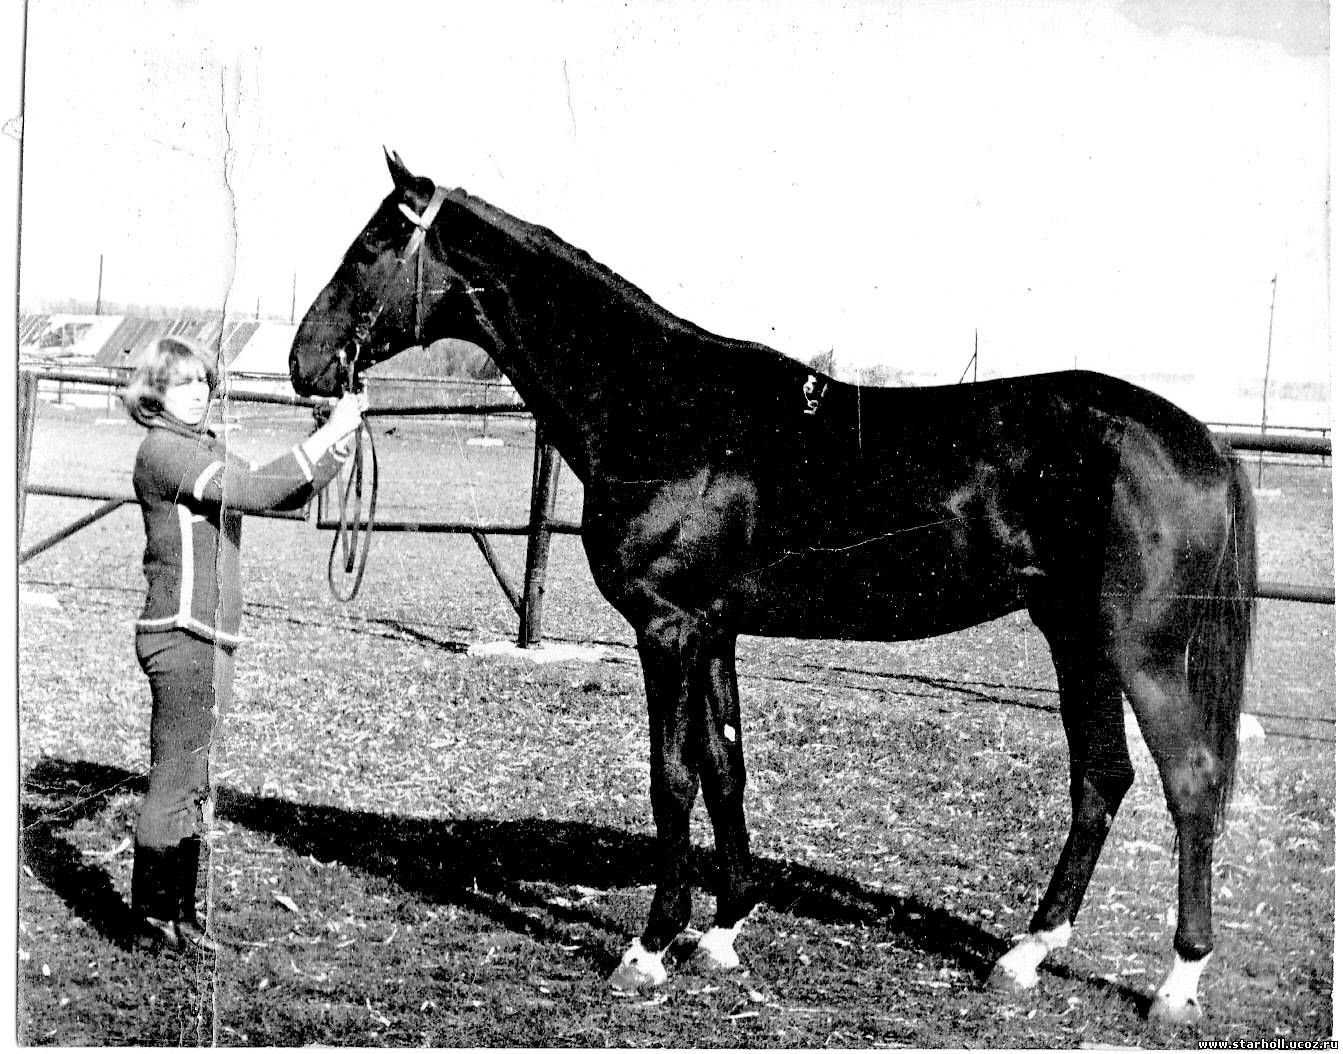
point(396, 287)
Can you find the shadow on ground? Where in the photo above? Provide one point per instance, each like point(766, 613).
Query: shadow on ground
point(482, 865)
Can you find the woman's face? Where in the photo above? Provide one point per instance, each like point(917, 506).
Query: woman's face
point(188, 397)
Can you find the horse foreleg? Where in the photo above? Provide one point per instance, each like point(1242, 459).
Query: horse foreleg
point(723, 772)
point(673, 676)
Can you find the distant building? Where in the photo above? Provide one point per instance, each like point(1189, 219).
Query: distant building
point(119, 340)
point(255, 353)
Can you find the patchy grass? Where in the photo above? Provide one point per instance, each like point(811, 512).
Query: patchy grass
point(417, 847)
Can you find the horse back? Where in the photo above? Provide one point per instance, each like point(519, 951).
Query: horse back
point(798, 505)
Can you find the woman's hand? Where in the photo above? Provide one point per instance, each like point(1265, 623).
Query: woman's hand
point(337, 434)
point(347, 414)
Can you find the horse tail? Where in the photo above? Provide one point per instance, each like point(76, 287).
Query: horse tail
point(1220, 646)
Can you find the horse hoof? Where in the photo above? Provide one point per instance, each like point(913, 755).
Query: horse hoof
point(715, 952)
point(630, 977)
point(638, 969)
point(1003, 980)
point(1174, 1013)
point(714, 960)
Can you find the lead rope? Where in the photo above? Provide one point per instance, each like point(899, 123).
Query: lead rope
point(354, 533)
point(353, 548)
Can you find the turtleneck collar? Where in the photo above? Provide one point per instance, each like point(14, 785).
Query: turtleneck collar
point(176, 424)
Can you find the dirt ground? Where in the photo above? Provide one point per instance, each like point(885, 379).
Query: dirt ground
point(417, 846)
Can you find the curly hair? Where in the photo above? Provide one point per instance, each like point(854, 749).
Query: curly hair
point(163, 365)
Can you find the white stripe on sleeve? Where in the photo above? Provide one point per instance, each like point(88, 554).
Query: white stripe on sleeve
point(203, 480)
point(301, 456)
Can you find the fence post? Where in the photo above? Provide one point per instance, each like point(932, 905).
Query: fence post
point(27, 422)
point(545, 485)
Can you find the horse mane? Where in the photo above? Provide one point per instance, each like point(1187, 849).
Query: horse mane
point(544, 241)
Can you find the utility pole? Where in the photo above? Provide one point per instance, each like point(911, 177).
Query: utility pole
point(974, 361)
point(1268, 355)
point(293, 298)
point(98, 303)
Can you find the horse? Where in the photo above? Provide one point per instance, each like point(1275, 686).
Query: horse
point(729, 489)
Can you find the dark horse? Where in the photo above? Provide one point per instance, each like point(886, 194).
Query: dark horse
point(729, 489)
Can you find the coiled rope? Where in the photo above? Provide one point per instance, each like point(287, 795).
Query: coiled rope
point(354, 531)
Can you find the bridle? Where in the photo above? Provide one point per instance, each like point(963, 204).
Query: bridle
point(349, 353)
point(350, 524)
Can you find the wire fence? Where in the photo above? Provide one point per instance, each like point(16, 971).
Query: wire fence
point(405, 397)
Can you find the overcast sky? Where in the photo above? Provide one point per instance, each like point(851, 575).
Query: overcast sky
point(1106, 183)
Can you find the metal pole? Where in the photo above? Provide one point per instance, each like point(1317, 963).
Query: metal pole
point(1268, 354)
point(98, 304)
point(1307, 446)
point(65, 532)
point(545, 485)
point(293, 298)
point(1306, 594)
point(500, 575)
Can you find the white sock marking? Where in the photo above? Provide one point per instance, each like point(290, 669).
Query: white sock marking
point(648, 965)
point(1180, 988)
point(1021, 962)
point(715, 947)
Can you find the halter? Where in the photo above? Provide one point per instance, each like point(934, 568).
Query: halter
point(349, 353)
point(349, 523)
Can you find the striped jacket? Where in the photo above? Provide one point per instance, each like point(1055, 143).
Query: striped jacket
point(193, 494)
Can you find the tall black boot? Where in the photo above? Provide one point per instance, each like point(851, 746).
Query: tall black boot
point(187, 867)
point(154, 896)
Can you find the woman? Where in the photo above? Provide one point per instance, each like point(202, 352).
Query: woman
point(193, 493)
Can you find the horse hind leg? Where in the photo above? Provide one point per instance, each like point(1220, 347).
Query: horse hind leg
point(1100, 772)
point(1192, 776)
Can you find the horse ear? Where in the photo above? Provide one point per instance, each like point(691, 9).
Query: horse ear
point(401, 175)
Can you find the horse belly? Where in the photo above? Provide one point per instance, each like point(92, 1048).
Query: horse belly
point(893, 591)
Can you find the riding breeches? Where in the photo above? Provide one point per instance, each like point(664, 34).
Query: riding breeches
point(191, 682)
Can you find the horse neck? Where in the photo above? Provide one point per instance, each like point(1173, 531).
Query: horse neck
point(567, 333)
